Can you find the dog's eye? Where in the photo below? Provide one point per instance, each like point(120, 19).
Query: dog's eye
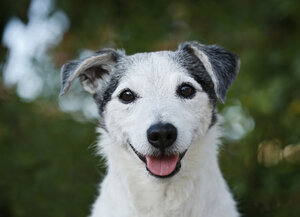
point(127, 96)
point(186, 91)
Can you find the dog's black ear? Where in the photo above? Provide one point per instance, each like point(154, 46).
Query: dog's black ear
point(90, 70)
point(222, 65)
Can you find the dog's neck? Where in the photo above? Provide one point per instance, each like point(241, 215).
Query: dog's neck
point(198, 185)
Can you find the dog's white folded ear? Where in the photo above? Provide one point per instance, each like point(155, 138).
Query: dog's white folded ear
point(221, 65)
point(90, 70)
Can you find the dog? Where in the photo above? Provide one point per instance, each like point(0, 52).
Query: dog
point(159, 129)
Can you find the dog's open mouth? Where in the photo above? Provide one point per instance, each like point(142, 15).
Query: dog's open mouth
point(162, 166)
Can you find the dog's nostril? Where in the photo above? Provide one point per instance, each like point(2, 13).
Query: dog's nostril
point(154, 137)
point(169, 137)
point(162, 135)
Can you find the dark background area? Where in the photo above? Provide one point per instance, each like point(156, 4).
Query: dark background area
point(48, 165)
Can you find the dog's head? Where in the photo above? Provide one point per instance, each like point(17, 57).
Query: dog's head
point(156, 104)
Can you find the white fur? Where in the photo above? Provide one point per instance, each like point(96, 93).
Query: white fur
point(128, 190)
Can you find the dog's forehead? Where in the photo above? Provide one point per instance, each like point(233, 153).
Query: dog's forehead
point(154, 67)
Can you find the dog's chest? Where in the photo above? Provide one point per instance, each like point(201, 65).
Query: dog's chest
point(162, 200)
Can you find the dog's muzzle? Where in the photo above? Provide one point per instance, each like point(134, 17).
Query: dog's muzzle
point(161, 136)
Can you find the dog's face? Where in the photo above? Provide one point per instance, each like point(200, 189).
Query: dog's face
point(156, 104)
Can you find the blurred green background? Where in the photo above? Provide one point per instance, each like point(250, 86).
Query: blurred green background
point(48, 165)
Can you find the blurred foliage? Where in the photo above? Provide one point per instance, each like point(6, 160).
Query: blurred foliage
point(47, 163)
point(46, 166)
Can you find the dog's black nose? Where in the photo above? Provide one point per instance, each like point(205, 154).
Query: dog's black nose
point(162, 135)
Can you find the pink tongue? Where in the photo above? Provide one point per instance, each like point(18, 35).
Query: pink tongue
point(162, 166)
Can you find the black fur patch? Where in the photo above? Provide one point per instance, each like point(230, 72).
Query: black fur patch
point(188, 60)
point(104, 96)
point(225, 66)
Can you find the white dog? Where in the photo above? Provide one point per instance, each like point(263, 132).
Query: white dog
point(159, 129)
